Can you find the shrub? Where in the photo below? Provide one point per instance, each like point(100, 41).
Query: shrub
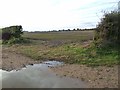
point(108, 30)
point(12, 34)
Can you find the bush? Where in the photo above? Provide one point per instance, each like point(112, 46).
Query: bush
point(12, 34)
point(108, 30)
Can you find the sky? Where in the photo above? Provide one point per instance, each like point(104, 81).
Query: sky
point(45, 15)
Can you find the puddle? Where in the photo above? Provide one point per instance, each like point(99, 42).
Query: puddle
point(38, 76)
point(53, 63)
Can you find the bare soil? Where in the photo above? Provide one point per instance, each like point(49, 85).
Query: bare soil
point(96, 77)
point(14, 61)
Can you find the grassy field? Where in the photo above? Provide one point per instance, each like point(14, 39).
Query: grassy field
point(71, 35)
point(69, 47)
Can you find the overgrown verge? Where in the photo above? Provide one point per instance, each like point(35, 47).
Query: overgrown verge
point(107, 36)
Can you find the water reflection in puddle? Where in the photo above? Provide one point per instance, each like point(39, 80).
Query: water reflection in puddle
point(38, 76)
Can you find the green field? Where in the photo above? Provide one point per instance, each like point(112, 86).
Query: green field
point(69, 47)
point(63, 35)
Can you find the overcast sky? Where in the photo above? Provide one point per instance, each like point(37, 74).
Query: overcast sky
point(44, 15)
